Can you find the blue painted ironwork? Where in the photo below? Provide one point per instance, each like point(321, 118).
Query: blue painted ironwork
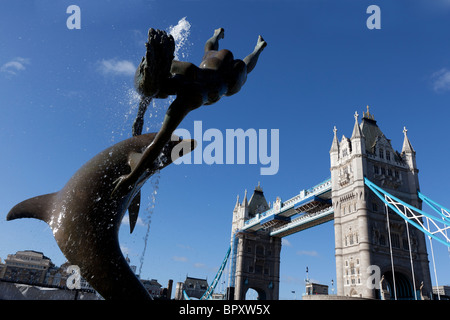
point(233, 254)
point(291, 206)
point(210, 290)
point(444, 212)
point(413, 215)
point(304, 221)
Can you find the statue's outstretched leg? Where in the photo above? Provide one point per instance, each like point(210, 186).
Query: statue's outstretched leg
point(252, 58)
point(213, 42)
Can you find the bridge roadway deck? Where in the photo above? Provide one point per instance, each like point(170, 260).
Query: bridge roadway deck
point(309, 208)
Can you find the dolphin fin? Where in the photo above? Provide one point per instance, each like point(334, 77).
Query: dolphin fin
point(133, 210)
point(37, 207)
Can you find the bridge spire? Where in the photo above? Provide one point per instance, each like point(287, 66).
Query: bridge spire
point(236, 206)
point(356, 129)
point(335, 143)
point(408, 153)
point(368, 115)
point(407, 147)
point(245, 202)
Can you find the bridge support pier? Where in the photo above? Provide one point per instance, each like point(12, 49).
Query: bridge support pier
point(371, 241)
point(257, 265)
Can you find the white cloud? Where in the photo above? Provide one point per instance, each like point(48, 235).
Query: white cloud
point(285, 242)
point(116, 67)
point(307, 253)
point(15, 65)
point(184, 246)
point(199, 265)
point(179, 259)
point(441, 80)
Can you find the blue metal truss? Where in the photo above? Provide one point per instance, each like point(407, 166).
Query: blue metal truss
point(444, 212)
point(434, 227)
point(210, 290)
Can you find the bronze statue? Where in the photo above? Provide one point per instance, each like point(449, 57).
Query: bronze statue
point(85, 215)
point(85, 219)
point(159, 76)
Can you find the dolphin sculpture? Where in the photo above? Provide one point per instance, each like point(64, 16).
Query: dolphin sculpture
point(85, 215)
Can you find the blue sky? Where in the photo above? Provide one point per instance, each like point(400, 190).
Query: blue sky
point(68, 94)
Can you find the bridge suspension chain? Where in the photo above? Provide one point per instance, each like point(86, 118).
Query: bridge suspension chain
point(434, 227)
point(209, 291)
point(415, 216)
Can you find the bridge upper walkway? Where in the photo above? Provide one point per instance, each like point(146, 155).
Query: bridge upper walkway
point(307, 209)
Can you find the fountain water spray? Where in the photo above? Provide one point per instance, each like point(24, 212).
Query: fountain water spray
point(180, 32)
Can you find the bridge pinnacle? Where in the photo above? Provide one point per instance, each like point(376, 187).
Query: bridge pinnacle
point(367, 115)
point(356, 129)
point(407, 147)
point(335, 143)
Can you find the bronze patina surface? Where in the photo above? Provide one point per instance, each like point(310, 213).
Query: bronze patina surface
point(85, 218)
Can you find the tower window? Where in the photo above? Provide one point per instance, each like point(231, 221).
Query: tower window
point(388, 156)
point(382, 240)
point(376, 169)
point(374, 207)
point(395, 240)
point(381, 153)
point(405, 243)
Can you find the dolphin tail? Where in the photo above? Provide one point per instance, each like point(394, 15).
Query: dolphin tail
point(37, 207)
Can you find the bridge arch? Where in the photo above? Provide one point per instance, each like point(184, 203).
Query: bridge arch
point(403, 285)
point(255, 293)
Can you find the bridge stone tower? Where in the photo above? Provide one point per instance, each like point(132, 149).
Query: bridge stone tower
point(257, 254)
point(362, 236)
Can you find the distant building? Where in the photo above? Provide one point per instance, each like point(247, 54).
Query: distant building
point(153, 288)
point(193, 287)
point(27, 266)
point(315, 288)
point(444, 292)
point(33, 268)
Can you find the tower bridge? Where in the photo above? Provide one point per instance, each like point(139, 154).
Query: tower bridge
point(373, 196)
